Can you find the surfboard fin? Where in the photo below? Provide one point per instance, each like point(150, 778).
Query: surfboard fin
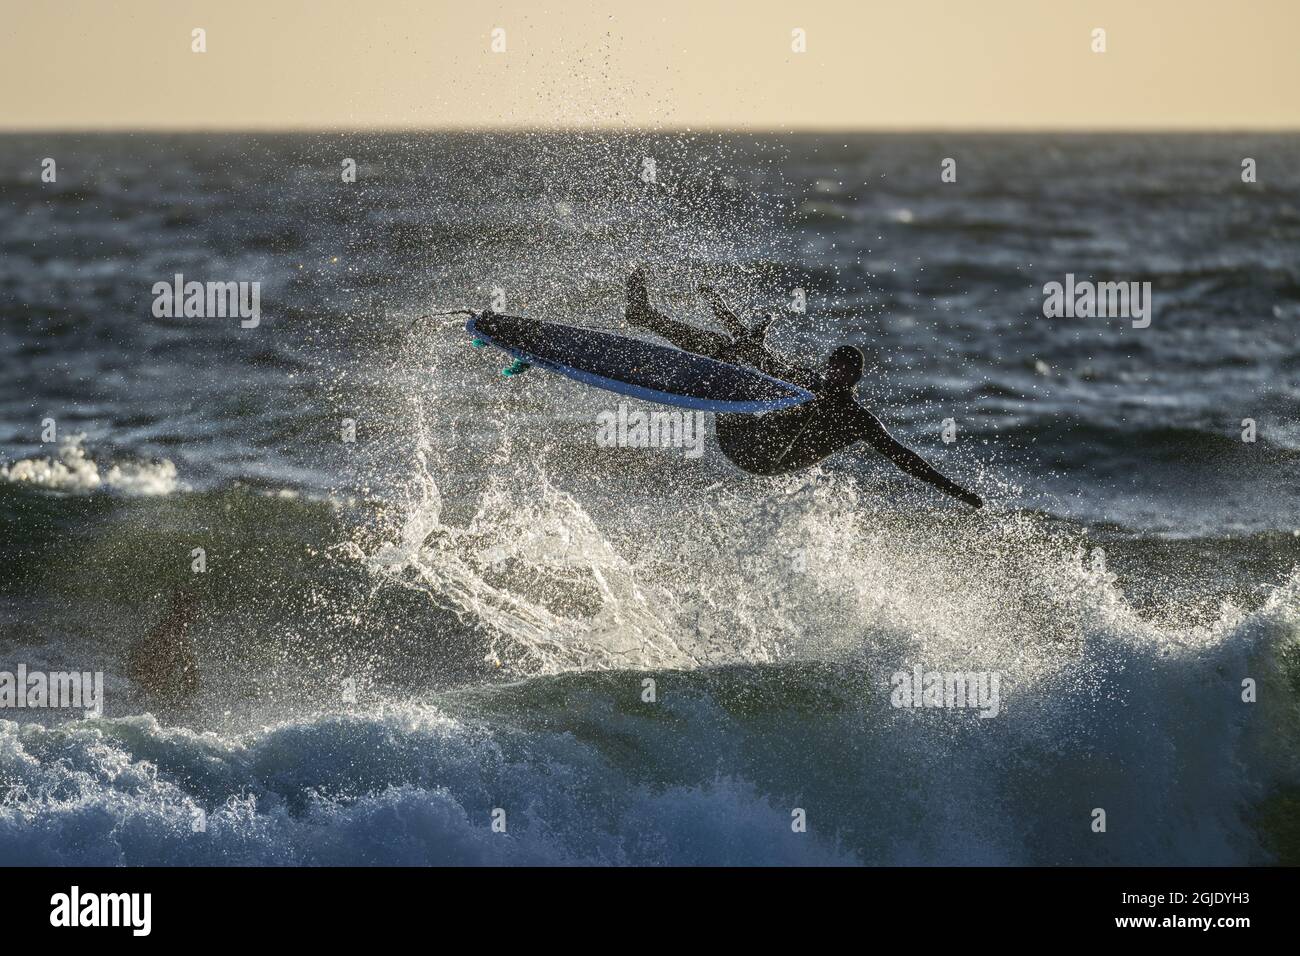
point(478, 343)
point(517, 367)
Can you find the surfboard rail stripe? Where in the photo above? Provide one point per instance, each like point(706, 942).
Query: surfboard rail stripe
point(636, 368)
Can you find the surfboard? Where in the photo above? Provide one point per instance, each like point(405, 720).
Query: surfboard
point(628, 366)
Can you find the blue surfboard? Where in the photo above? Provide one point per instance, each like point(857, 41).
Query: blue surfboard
point(628, 366)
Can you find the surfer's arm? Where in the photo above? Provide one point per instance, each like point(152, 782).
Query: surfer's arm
point(730, 321)
point(875, 435)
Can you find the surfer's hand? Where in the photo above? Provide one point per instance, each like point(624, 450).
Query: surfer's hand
point(730, 321)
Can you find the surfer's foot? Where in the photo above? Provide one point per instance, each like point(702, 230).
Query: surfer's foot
point(638, 311)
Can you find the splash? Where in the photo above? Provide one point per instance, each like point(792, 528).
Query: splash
point(538, 573)
point(689, 572)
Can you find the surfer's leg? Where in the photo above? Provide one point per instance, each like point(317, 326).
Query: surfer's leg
point(686, 337)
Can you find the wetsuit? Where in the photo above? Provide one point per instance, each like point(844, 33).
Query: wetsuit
point(793, 438)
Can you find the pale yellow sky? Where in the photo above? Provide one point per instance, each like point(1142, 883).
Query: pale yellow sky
point(891, 64)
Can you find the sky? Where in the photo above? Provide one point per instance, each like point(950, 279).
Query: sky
point(671, 64)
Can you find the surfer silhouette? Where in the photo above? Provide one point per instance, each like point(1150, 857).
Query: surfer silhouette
point(163, 663)
point(792, 438)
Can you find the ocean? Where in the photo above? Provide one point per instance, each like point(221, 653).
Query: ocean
point(434, 620)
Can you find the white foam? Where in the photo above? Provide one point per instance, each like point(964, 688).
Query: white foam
point(409, 786)
point(72, 471)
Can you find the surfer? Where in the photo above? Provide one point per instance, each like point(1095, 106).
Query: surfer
point(164, 663)
point(792, 438)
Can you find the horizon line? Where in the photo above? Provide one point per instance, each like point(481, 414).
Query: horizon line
point(669, 129)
